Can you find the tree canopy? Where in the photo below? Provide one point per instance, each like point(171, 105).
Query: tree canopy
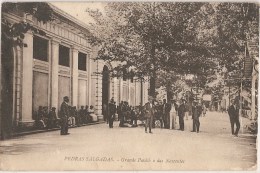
point(184, 38)
point(14, 32)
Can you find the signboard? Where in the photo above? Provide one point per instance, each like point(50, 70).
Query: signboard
point(207, 97)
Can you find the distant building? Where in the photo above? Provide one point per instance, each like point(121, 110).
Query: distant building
point(57, 64)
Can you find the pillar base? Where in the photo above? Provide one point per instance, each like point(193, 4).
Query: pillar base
point(26, 125)
point(100, 117)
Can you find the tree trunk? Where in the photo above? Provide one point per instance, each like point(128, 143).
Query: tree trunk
point(142, 102)
point(152, 85)
point(153, 76)
point(169, 95)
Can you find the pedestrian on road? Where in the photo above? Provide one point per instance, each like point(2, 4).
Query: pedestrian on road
point(111, 113)
point(233, 113)
point(186, 109)
point(195, 116)
point(64, 112)
point(123, 111)
point(166, 108)
point(149, 109)
point(181, 114)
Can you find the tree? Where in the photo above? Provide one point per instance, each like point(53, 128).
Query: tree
point(14, 32)
point(233, 26)
point(147, 35)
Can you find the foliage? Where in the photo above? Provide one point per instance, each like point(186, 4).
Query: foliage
point(149, 36)
point(15, 31)
point(175, 38)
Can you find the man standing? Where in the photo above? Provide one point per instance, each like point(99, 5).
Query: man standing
point(111, 112)
point(119, 110)
point(186, 109)
point(181, 114)
point(233, 113)
point(149, 113)
point(195, 116)
point(166, 114)
point(164, 105)
point(123, 110)
point(64, 112)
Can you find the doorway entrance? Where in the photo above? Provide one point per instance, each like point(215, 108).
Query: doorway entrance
point(105, 91)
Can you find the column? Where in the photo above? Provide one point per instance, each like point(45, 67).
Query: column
point(89, 78)
point(74, 99)
point(254, 77)
point(54, 72)
point(120, 90)
point(99, 90)
point(116, 90)
point(129, 91)
point(27, 78)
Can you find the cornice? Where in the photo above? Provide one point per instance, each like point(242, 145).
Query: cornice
point(69, 17)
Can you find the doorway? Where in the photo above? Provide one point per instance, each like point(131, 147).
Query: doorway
point(105, 91)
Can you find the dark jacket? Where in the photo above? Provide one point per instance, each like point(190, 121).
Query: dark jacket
point(181, 110)
point(149, 111)
point(64, 110)
point(111, 108)
point(195, 112)
point(168, 107)
point(233, 112)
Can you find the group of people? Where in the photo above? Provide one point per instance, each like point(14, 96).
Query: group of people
point(125, 112)
point(46, 119)
point(69, 116)
point(167, 113)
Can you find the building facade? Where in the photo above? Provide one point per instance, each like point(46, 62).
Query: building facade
point(55, 64)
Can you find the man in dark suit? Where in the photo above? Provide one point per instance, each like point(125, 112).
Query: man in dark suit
point(123, 110)
point(181, 114)
point(195, 116)
point(149, 109)
point(64, 113)
point(111, 112)
point(233, 113)
point(166, 114)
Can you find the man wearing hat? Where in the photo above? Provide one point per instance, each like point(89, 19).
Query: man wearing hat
point(181, 114)
point(149, 110)
point(233, 113)
point(64, 112)
point(166, 108)
point(195, 116)
point(111, 112)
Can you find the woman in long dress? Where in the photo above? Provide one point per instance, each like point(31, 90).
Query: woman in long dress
point(92, 114)
point(173, 115)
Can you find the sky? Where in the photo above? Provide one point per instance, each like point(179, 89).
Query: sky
point(77, 9)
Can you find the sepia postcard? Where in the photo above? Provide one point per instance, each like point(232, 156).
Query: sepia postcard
point(129, 86)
